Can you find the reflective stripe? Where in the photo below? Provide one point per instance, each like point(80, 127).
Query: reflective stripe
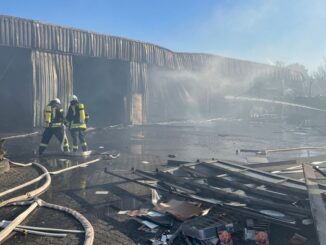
point(84, 144)
point(44, 145)
point(55, 125)
point(78, 125)
point(75, 147)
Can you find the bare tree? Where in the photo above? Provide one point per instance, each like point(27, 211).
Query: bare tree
point(319, 78)
point(307, 80)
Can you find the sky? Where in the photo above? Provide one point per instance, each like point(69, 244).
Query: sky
point(290, 31)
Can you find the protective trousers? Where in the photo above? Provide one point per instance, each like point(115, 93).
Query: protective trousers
point(78, 133)
point(58, 132)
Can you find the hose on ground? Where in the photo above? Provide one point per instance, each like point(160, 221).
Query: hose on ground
point(89, 230)
point(26, 200)
point(20, 218)
point(32, 194)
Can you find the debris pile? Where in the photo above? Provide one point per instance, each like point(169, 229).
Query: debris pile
point(220, 202)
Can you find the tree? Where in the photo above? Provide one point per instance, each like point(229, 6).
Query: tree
point(306, 78)
point(319, 77)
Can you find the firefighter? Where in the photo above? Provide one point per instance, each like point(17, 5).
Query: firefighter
point(54, 125)
point(77, 119)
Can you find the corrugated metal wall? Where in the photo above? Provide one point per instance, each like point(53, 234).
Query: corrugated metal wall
point(52, 77)
point(53, 47)
point(17, 32)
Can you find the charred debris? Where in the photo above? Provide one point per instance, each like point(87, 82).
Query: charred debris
point(222, 202)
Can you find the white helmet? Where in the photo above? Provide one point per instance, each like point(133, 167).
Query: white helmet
point(74, 98)
point(57, 100)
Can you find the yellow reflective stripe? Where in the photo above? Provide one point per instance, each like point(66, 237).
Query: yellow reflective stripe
point(78, 125)
point(75, 147)
point(84, 144)
point(45, 145)
point(53, 125)
point(61, 110)
point(74, 125)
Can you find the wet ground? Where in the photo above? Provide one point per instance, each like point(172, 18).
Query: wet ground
point(143, 147)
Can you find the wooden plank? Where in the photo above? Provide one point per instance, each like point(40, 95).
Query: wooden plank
point(317, 204)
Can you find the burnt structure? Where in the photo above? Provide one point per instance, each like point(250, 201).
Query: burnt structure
point(120, 80)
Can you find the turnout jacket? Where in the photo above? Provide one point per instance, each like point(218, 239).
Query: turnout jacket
point(54, 115)
point(77, 117)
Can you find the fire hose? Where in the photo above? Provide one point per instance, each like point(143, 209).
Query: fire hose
point(21, 200)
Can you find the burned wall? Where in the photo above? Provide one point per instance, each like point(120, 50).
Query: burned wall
point(52, 77)
point(123, 80)
point(103, 86)
point(16, 91)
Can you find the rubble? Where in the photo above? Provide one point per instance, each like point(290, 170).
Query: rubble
point(298, 239)
point(181, 210)
point(241, 203)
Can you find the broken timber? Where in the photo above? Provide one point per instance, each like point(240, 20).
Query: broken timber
point(317, 204)
point(262, 177)
point(220, 193)
point(243, 211)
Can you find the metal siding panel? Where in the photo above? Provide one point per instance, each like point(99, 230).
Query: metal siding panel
point(19, 32)
point(73, 41)
point(2, 34)
point(7, 41)
point(85, 43)
point(60, 39)
point(29, 34)
point(42, 40)
point(52, 77)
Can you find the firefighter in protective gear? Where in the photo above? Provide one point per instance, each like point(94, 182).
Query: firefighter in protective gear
point(77, 119)
point(54, 125)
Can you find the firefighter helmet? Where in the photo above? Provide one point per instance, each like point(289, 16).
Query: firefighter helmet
point(74, 98)
point(57, 100)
